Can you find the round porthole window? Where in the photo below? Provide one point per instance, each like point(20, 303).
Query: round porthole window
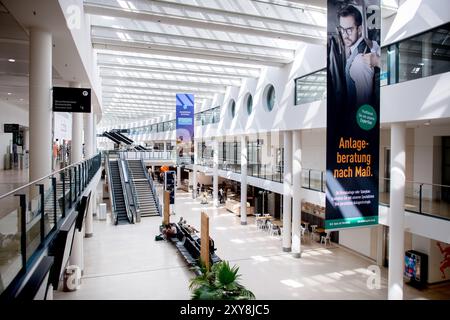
point(249, 104)
point(232, 105)
point(269, 97)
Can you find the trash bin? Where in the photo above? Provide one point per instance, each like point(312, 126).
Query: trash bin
point(72, 278)
point(102, 211)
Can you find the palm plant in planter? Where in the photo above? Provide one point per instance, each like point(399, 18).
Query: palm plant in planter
point(220, 283)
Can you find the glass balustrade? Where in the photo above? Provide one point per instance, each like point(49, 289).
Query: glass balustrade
point(30, 214)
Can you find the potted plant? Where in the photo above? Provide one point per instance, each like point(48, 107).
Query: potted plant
point(220, 283)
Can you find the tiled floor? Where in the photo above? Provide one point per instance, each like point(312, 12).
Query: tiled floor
point(124, 262)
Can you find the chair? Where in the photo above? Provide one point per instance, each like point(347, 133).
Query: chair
point(273, 230)
point(257, 215)
point(327, 237)
point(313, 231)
point(269, 225)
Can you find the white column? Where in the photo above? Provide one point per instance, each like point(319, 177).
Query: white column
point(40, 108)
point(287, 214)
point(178, 177)
point(243, 180)
point(194, 172)
point(94, 133)
point(88, 135)
point(396, 214)
point(26, 139)
point(296, 193)
point(76, 150)
point(88, 229)
point(216, 172)
point(76, 255)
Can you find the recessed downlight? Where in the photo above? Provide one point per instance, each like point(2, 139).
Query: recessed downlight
point(12, 60)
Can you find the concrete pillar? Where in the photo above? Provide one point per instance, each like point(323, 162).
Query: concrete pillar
point(296, 193)
point(40, 107)
point(178, 177)
point(397, 214)
point(287, 186)
point(194, 173)
point(26, 139)
point(88, 126)
point(77, 254)
point(88, 230)
point(243, 180)
point(94, 133)
point(76, 152)
point(216, 172)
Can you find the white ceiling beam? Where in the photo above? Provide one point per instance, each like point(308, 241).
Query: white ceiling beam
point(228, 21)
point(108, 99)
point(138, 89)
point(160, 84)
point(110, 92)
point(176, 62)
point(181, 49)
point(179, 70)
point(184, 53)
point(162, 77)
point(241, 46)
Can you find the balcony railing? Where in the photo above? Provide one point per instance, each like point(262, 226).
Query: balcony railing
point(148, 155)
point(31, 215)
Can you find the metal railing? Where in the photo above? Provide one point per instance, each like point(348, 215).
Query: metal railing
point(420, 197)
point(123, 178)
point(152, 186)
point(148, 155)
point(132, 189)
point(31, 215)
point(110, 189)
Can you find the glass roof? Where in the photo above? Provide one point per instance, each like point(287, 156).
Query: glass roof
point(147, 51)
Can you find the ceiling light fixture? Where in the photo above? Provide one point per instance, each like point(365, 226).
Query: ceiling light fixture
point(9, 93)
point(12, 60)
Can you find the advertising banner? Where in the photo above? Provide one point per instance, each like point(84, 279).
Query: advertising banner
point(353, 113)
point(71, 100)
point(185, 128)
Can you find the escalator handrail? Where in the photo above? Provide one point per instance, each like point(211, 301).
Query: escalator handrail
point(124, 137)
point(155, 195)
point(124, 192)
point(111, 137)
point(111, 194)
point(121, 137)
point(133, 191)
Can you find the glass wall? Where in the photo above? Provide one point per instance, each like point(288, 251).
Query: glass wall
point(417, 57)
point(312, 87)
point(209, 116)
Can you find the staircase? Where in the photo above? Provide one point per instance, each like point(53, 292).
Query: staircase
point(145, 196)
point(117, 193)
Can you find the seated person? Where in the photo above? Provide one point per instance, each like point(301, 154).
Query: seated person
point(170, 231)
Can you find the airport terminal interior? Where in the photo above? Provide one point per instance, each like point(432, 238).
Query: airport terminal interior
point(146, 146)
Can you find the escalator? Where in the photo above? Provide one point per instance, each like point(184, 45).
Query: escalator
point(111, 137)
point(119, 138)
point(118, 199)
point(145, 193)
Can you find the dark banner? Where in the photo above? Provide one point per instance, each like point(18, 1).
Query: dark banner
point(71, 100)
point(353, 113)
point(185, 128)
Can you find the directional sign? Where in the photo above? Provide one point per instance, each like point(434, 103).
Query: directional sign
point(71, 100)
